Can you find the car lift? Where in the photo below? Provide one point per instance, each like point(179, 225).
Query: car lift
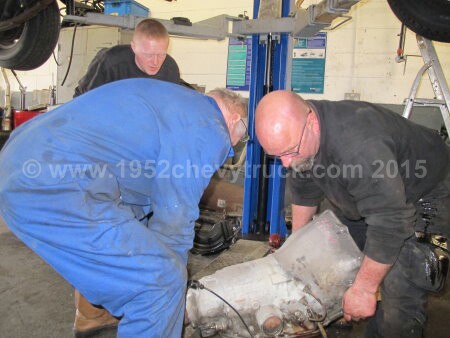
point(264, 183)
point(272, 39)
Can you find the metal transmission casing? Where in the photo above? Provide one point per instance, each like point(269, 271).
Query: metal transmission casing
point(285, 292)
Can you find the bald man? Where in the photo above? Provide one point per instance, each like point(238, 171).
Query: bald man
point(385, 177)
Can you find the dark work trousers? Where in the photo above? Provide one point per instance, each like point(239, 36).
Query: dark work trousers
point(401, 313)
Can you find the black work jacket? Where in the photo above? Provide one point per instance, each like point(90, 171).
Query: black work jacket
point(372, 164)
point(117, 63)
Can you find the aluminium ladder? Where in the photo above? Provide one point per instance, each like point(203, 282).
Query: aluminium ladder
point(438, 83)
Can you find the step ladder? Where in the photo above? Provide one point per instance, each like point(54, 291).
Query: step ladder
point(438, 83)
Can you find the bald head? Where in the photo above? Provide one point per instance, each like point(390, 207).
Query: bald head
point(280, 117)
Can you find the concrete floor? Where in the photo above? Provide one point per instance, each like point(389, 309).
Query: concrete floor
point(37, 302)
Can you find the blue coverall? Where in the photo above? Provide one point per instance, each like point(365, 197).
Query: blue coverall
point(76, 182)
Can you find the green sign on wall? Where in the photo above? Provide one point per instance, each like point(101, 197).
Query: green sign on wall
point(308, 64)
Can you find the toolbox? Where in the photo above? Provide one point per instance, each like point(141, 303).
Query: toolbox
point(125, 7)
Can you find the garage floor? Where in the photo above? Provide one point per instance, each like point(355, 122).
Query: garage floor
point(37, 302)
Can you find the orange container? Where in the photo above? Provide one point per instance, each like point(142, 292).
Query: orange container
point(22, 116)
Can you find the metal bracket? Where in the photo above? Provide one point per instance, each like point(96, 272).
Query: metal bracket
point(339, 6)
point(346, 19)
point(305, 23)
point(263, 38)
point(215, 28)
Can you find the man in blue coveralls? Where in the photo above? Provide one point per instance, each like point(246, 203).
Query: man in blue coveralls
point(76, 183)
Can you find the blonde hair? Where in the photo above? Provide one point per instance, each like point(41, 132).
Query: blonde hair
point(151, 28)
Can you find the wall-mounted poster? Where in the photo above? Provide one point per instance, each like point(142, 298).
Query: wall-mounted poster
point(239, 62)
point(308, 64)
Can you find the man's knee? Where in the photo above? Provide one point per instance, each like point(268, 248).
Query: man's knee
point(401, 312)
point(179, 277)
point(400, 326)
point(394, 319)
point(422, 265)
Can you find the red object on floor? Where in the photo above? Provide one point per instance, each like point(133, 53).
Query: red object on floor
point(22, 116)
point(275, 241)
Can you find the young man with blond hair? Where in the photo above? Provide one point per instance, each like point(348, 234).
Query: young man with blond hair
point(145, 57)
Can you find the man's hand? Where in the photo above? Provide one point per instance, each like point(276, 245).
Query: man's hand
point(360, 300)
point(358, 304)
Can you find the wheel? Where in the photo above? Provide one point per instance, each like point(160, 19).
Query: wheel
point(429, 18)
point(30, 45)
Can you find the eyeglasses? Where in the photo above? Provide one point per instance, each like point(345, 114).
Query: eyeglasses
point(245, 137)
point(297, 147)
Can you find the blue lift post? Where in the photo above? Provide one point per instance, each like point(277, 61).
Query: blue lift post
point(253, 146)
point(275, 197)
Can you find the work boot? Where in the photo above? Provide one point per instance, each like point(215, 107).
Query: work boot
point(89, 319)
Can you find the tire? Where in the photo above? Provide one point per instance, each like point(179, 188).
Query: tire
point(29, 46)
point(429, 18)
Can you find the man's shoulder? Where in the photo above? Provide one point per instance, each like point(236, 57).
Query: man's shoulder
point(117, 54)
point(357, 119)
point(347, 107)
point(348, 128)
point(170, 60)
point(169, 71)
point(170, 64)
